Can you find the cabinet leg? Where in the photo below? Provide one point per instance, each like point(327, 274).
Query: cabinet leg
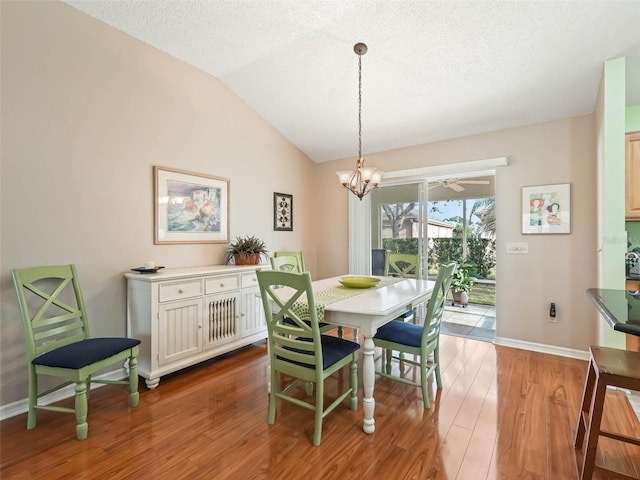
point(152, 383)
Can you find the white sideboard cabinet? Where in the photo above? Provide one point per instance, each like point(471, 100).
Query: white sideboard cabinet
point(184, 316)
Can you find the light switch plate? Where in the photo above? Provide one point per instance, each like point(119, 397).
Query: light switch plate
point(518, 247)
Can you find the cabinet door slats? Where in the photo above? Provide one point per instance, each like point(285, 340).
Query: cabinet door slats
point(222, 319)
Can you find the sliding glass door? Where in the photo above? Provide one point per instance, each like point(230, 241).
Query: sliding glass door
point(398, 219)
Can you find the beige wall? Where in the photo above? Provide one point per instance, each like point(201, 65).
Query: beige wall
point(86, 112)
point(558, 268)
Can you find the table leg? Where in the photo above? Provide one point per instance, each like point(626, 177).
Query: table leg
point(368, 380)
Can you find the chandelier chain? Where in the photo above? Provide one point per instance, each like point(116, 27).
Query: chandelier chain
point(359, 107)
point(363, 179)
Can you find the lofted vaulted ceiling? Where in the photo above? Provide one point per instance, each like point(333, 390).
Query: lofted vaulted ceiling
point(435, 69)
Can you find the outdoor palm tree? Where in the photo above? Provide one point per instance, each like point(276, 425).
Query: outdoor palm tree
point(485, 210)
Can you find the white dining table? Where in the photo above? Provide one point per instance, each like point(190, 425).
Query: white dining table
point(368, 311)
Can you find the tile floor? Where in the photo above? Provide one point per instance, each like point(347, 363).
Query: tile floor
point(473, 321)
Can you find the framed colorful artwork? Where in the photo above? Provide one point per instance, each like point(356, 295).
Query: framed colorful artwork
point(190, 207)
point(282, 212)
point(546, 209)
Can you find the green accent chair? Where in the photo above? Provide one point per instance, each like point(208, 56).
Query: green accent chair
point(420, 341)
point(296, 254)
point(286, 263)
point(298, 353)
point(56, 331)
point(403, 265)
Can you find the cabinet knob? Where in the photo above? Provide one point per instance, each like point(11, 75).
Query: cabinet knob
point(221, 284)
point(180, 290)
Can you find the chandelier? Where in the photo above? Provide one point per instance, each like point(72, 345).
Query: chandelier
point(363, 179)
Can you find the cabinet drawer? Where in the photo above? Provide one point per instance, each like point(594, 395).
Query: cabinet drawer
point(249, 280)
point(221, 284)
point(178, 290)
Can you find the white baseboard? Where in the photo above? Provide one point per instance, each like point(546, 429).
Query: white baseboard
point(542, 348)
point(22, 406)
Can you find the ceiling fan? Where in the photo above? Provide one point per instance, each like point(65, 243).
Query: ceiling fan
point(456, 183)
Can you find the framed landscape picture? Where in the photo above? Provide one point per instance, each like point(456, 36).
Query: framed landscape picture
point(546, 209)
point(283, 212)
point(190, 207)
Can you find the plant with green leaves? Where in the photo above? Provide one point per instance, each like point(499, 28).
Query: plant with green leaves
point(463, 280)
point(248, 247)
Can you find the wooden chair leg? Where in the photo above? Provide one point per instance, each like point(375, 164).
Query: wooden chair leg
point(424, 382)
point(134, 396)
point(273, 399)
point(595, 418)
point(585, 406)
point(317, 429)
point(33, 399)
point(88, 384)
point(353, 380)
point(436, 361)
point(82, 427)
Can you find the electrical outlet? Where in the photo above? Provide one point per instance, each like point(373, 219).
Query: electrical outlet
point(518, 247)
point(553, 313)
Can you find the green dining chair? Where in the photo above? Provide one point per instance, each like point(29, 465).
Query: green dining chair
point(403, 265)
point(297, 254)
point(420, 341)
point(286, 263)
point(291, 263)
point(58, 344)
point(298, 353)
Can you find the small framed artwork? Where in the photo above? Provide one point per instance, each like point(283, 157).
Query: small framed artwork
point(546, 209)
point(190, 207)
point(283, 212)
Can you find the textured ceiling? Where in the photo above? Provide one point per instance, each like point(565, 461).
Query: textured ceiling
point(435, 69)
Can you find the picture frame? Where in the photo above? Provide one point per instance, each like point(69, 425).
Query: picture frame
point(546, 209)
point(282, 212)
point(190, 207)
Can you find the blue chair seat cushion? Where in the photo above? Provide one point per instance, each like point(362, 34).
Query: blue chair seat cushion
point(289, 321)
point(400, 332)
point(407, 314)
point(334, 349)
point(85, 352)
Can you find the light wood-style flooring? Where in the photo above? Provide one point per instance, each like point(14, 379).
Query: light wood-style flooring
point(503, 414)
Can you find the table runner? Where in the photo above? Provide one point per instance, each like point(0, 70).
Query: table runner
point(335, 294)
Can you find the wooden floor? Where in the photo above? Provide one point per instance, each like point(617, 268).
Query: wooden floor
point(503, 414)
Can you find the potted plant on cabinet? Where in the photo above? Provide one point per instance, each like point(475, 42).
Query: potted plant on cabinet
point(246, 250)
point(461, 283)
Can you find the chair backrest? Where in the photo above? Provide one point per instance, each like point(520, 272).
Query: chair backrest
point(51, 306)
point(378, 260)
point(296, 254)
point(292, 320)
point(402, 265)
point(435, 305)
point(286, 263)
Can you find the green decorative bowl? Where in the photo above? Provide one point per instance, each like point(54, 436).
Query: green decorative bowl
point(359, 282)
